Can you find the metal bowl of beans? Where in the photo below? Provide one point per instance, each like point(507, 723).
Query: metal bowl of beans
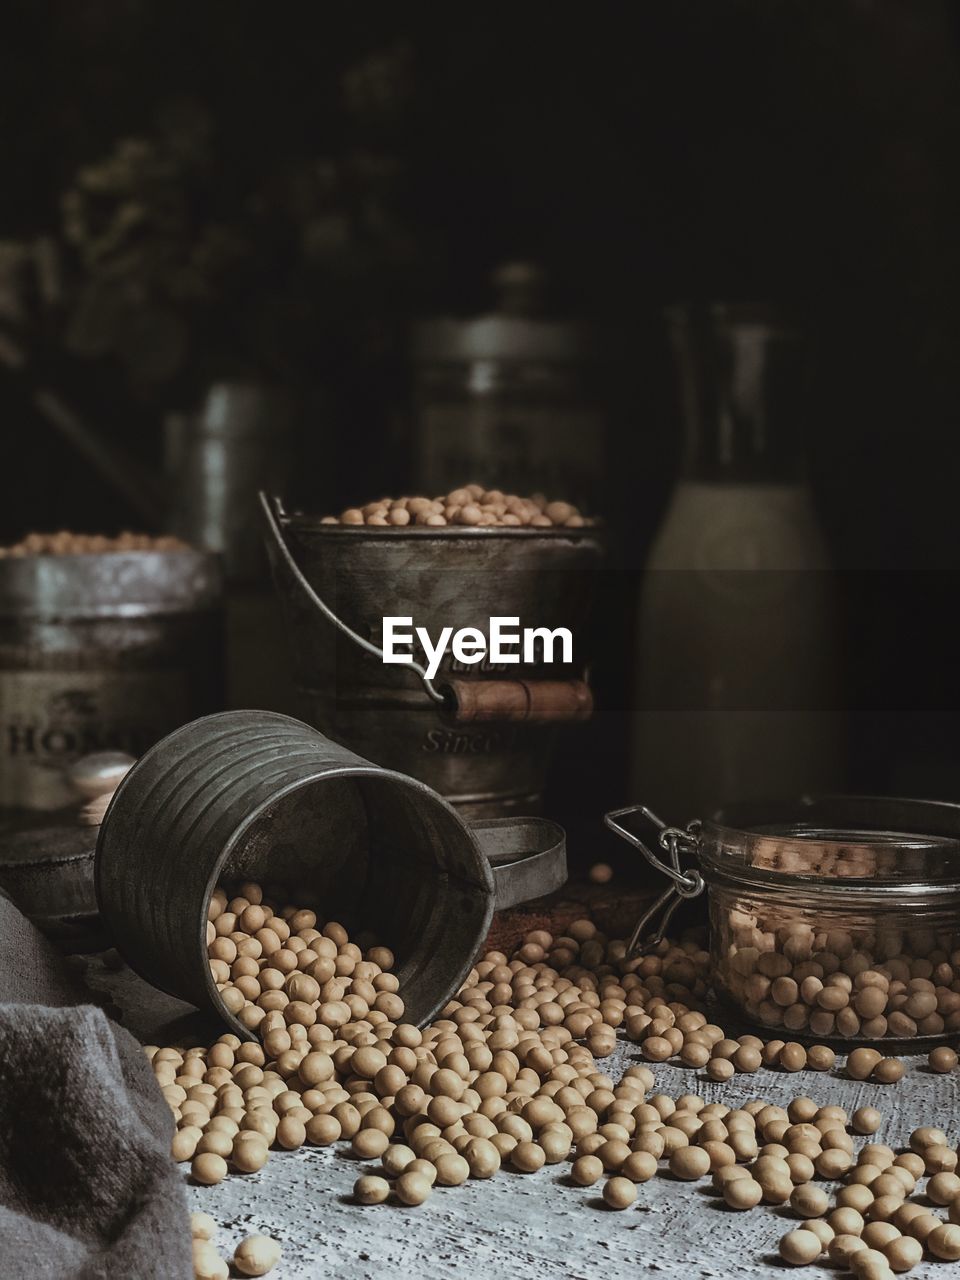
point(835, 918)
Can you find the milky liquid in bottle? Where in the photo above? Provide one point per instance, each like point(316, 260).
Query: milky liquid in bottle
point(737, 673)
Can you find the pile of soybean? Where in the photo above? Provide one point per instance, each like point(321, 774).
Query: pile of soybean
point(508, 1078)
point(65, 543)
point(860, 982)
point(472, 506)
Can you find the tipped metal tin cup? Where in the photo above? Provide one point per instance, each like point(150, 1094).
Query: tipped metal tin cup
point(256, 795)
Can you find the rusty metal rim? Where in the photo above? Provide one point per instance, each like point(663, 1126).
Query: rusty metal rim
point(29, 848)
point(119, 551)
point(65, 861)
point(67, 613)
point(109, 584)
point(39, 558)
point(443, 533)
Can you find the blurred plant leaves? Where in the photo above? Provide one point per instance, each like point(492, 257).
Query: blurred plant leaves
point(191, 258)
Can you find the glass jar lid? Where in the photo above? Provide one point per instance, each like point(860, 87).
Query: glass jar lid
point(845, 850)
point(853, 841)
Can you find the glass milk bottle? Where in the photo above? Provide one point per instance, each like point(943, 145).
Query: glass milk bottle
point(738, 642)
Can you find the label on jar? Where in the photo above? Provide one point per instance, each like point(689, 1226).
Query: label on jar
point(49, 719)
point(468, 742)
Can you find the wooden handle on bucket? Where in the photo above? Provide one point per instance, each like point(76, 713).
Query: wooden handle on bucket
point(519, 701)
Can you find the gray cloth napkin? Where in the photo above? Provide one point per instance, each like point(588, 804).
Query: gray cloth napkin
point(87, 1187)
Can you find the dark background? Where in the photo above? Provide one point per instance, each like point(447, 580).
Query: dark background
point(339, 170)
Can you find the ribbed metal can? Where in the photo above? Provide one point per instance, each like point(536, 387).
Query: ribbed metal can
point(100, 651)
point(255, 795)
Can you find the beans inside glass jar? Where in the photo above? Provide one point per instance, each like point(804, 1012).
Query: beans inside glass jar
point(845, 976)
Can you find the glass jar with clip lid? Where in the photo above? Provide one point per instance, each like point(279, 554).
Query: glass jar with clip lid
point(834, 918)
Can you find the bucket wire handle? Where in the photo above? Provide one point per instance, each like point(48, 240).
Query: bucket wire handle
point(685, 884)
point(272, 510)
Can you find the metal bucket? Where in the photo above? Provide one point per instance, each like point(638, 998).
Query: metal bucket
point(481, 737)
point(256, 795)
point(99, 652)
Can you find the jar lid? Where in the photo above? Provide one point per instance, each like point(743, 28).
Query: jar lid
point(857, 842)
point(125, 584)
point(515, 331)
point(853, 851)
point(447, 340)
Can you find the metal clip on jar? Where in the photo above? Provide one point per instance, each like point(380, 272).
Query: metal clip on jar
point(835, 918)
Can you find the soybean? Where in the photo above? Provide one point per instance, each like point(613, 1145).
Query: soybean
point(256, 1255)
point(800, 1247)
point(619, 1193)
